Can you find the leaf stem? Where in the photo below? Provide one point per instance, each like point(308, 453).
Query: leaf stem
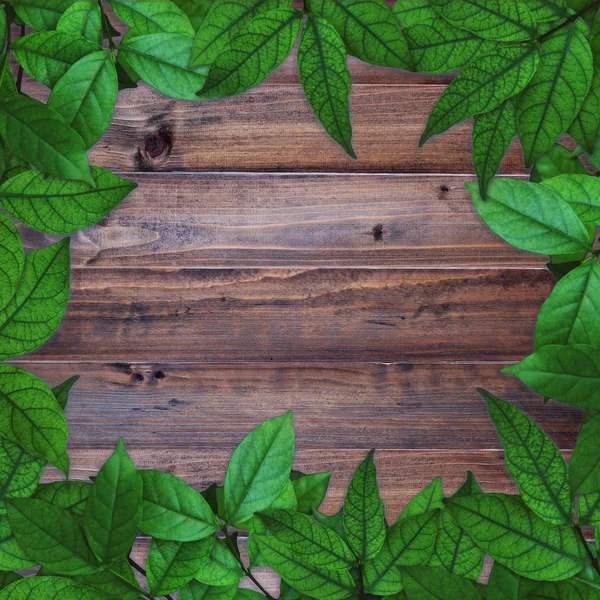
point(569, 20)
point(142, 571)
point(593, 559)
point(20, 72)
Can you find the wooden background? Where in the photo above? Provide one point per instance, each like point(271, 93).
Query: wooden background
point(258, 269)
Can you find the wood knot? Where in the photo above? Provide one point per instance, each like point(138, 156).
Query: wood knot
point(139, 377)
point(157, 146)
point(159, 375)
point(378, 232)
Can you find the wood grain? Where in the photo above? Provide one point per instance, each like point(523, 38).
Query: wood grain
point(388, 315)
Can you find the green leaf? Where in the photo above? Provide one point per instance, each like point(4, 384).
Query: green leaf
point(588, 508)
point(511, 534)
point(364, 512)
point(48, 55)
point(146, 17)
point(409, 543)
point(326, 79)
point(61, 391)
point(547, 10)
point(51, 536)
point(533, 460)
point(483, 86)
point(49, 588)
point(333, 522)
point(564, 590)
point(569, 374)
point(226, 19)
point(368, 28)
point(439, 47)
point(33, 314)
point(557, 161)
point(31, 417)
point(582, 192)
point(161, 60)
point(172, 510)
point(585, 461)
point(37, 134)
point(503, 584)
point(299, 572)
point(221, 568)
point(12, 260)
point(114, 509)
point(585, 125)
point(61, 207)
point(195, 590)
point(310, 490)
point(70, 495)
point(253, 53)
point(40, 14)
point(259, 468)
point(426, 500)
point(430, 583)
point(12, 556)
point(557, 91)
point(414, 12)
point(571, 315)
point(86, 94)
point(84, 19)
point(8, 577)
point(530, 217)
point(171, 565)
point(493, 133)
point(19, 472)
point(196, 10)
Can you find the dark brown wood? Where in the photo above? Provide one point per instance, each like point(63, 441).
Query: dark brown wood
point(390, 315)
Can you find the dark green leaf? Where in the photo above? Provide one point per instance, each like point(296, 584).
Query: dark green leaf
point(195, 590)
point(61, 391)
point(588, 506)
point(8, 577)
point(70, 495)
point(83, 18)
point(221, 568)
point(333, 522)
point(146, 17)
point(557, 161)
point(12, 260)
point(582, 192)
point(40, 14)
point(585, 125)
point(414, 12)
point(429, 583)
point(49, 588)
point(503, 584)
point(564, 590)
point(12, 556)
point(547, 10)
point(310, 490)
point(427, 499)
point(196, 10)
point(585, 461)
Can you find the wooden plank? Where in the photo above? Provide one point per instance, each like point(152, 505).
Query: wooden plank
point(391, 315)
point(251, 220)
point(348, 405)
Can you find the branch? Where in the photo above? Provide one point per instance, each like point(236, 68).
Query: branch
point(570, 20)
point(142, 572)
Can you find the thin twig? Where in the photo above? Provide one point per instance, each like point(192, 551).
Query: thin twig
point(570, 20)
point(593, 559)
point(20, 72)
point(142, 571)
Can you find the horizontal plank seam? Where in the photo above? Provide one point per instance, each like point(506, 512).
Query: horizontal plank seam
point(287, 267)
point(306, 174)
point(256, 363)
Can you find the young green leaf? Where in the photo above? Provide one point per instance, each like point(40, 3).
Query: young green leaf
point(259, 468)
point(585, 125)
point(557, 91)
point(569, 374)
point(171, 565)
point(114, 509)
point(221, 568)
point(12, 260)
point(409, 543)
point(33, 314)
point(83, 18)
point(39, 135)
point(493, 133)
point(146, 17)
point(533, 460)
point(483, 86)
point(299, 572)
point(49, 588)
point(12, 556)
point(368, 28)
point(161, 60)
point(414, 12)
point(172, 510)
point(195, 590)
point(364, 512)
point(530, 217)
point(585, 462)
point(310, 490)
point(326, 79)
point(430, 583)
point(253, 53)
point(70, 495)
point(86, 95)
point(31, 417)
point(426, 500)
point(40, 14)
point(51, 536)
point(61, 207)
point(582, 192)
point(514, 536)
point(61, 391)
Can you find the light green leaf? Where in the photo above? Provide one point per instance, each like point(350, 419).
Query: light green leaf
point(48, 55)
point(299, 572)
point(490, 19)
point(195, 590)
point(511, 534)
point(585, 462)
point(253, 53)
point(482, 86)
point(503, 584)
point(40, 14)
point(61, 391)
point(12, 556)
point(557, 91)
point(409, 543)
point(83, 18)
point(37, 134)
point(440, 48)
point(430, 583)
point(414, 12)
point(31, 417)
point(582, 192)
point(493, 133)
point(564, 590)
point(364, 512)
point(326, 79)
point(173, 510)
point(533, 460)
point(221, 568)
point(426, 500)
point(146, 17)
point(70, 495)
point(226, 19)
point(569, 374)
point(530, 217)
point(259, 468)
point(171, 565)
point(51, 536)
point(114, 509)
point(571, 315)
point(310, 490)
point(368, 28)
point(86, 94)
point(49, 588)
point(557, 161)
point(161, 60)
point(585, 125)
point(33, 314)
point(12, 260)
